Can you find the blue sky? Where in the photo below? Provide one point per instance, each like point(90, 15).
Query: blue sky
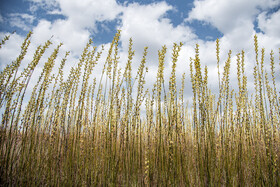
point(151, 23)
point(179, 12)
point(24, 15)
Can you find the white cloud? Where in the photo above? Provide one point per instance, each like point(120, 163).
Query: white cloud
point(80, 20)
point(44, 4)
point(23, 21)
point(225, 15)
point(86, 13)
point(1, 19)
point(83, 12)
point(55, 12)
point(73, 38)
point(27, 17)
point(269, 24)
point(148, 26)
point(10, 50)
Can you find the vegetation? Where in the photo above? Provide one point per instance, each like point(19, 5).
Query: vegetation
point(75, 131)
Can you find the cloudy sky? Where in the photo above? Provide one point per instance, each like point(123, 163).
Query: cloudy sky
point(151, 23)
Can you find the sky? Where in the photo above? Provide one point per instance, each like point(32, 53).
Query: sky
point(151, 23)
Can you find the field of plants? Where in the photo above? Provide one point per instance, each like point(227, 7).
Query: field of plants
point(75, 130)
